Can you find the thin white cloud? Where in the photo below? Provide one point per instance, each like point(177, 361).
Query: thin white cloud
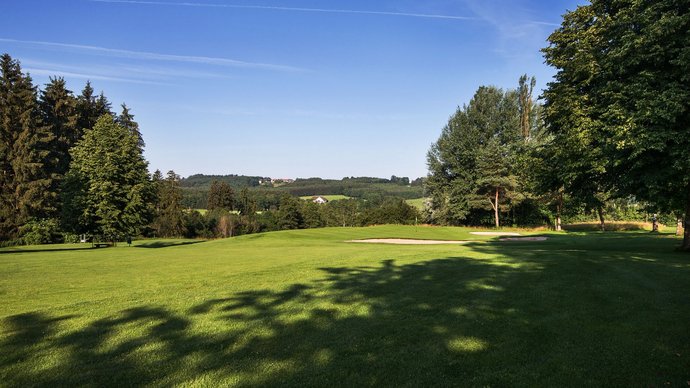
point(294, 9)
point(545, 24)
point(154, 56)
point(519, 35)
point(60, 73)
point(124, 71)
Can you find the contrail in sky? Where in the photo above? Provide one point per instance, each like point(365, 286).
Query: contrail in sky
point(155, 56)
point(294, 9)
point(53, 72)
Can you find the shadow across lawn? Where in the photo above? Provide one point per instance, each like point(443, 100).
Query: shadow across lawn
point(165, 244)
point(46, 248)
point(561, 314)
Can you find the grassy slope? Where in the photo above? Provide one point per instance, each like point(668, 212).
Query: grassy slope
point(305, 308)
point(417, 202)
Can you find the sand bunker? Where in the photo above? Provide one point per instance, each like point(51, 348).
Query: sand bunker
point(523, 239)
point(406, 241)
point(495, 233)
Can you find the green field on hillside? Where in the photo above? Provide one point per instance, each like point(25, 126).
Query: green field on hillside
point(417, 202)
point(307, 308)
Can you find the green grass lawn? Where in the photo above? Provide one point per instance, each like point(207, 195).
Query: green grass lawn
point(417, 202)
point(305, 308)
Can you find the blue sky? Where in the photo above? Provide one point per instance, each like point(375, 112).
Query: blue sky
point(291, 88)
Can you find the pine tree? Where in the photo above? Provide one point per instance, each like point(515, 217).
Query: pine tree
point(90, 108)
point(496, 179)
point(290, 213)
point(221, 197)
point(24, 185)
point(126, 119)
point(59, 114)
point(168, 221)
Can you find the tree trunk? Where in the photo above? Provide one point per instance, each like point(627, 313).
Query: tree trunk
point(559, 208)
point(679, 226)
point(686, 233)
point(600, 211)
point(496, 210)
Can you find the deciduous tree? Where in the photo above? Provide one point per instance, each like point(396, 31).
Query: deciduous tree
point(621, 96)
point(471, 161)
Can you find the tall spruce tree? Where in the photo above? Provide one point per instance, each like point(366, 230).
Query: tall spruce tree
point(24, 185)
point(90, 108)
point(116, 191)
point(168, 218)
point(126, 119)
point(221, 197)
point(59, 114)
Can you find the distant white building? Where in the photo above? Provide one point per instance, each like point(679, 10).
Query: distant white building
point(282, 180)
point(319, 199)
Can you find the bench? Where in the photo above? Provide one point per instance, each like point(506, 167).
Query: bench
point(102, 244)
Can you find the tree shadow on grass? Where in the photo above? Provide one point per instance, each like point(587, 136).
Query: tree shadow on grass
point(165, 244)
point(535, 315)
point(47, 248)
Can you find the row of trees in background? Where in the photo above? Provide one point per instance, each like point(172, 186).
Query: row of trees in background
point(233, 214)
point(196, 188)
point(613, 128)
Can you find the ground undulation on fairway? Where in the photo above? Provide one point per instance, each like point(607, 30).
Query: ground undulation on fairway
point(407, 241)
point(304, 308)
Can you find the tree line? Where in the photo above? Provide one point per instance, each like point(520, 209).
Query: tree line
point(232, 213)
point(613, 127)
point(66, 160)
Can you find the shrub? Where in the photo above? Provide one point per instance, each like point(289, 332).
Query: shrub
point(70, 238)
point(40, 232)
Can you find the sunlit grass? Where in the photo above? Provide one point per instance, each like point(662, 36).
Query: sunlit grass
point(419, 203)
point(305, 308)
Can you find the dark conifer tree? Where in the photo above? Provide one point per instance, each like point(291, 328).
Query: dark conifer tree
point(168, 221)
point(221, 197)
point(91, 108)
point(24, 185)
point(59, 114)
point(126, 119)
